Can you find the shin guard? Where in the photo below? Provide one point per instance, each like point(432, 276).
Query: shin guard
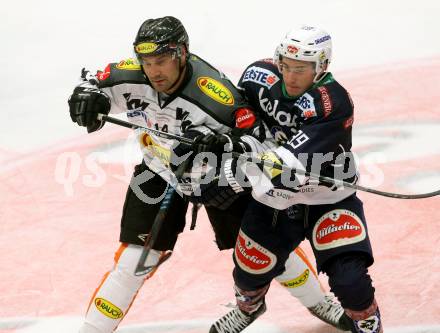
point(301, 280)
point(114, 296)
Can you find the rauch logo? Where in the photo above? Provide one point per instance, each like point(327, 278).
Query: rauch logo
point(108, 309)
point(215, 90)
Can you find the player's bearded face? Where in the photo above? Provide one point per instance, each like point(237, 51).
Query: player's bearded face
point(297, 75)
point(162, 71)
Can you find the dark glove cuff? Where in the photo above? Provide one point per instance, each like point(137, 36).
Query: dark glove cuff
point(234, 176)
point(238, 146)
point(95, 126)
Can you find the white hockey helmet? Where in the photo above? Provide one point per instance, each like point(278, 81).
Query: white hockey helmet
point(306, 44)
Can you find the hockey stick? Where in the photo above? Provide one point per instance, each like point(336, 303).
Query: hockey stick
point(123, 123)
point(141, 267)
point(339, 183)
point(195, 210)
point(269, 164)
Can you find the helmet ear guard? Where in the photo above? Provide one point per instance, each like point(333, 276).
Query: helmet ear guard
point(306, 44)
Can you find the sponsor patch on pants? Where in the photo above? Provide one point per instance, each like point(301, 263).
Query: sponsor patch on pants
point(252, 257)
point(337, 228)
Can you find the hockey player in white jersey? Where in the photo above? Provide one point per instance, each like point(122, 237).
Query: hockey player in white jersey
point(169, 89)
point(311, 115)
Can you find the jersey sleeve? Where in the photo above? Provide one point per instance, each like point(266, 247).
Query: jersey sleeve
point(258, 72)
point(112, 81)
point(261, 73)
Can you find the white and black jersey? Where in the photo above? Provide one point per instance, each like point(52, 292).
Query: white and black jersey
point(206, 102)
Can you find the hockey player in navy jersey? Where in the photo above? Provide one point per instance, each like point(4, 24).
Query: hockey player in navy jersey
point(311, 116)
point(170, 89)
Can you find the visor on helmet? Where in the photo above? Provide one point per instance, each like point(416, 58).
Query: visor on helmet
point(147, 49)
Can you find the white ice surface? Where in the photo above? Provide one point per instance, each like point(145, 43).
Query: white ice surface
point(44, 44)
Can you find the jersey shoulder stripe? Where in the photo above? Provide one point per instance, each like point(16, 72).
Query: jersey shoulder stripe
point(125, 71)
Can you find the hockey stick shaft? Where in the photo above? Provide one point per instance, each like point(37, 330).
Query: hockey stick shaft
point(127, 124)
point(324, 179)
point(141, 267)
point(340, 183)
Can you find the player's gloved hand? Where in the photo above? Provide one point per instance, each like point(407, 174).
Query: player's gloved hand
point(229, 184)
point(218, 143)
point(183, 151)
point(85, 103)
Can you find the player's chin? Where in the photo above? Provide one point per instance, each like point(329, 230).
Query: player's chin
point(294, 90)
point(160, 86)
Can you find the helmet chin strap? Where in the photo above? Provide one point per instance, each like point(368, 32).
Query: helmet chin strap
point(181, 69)
point(319, 75)
point(181, 72)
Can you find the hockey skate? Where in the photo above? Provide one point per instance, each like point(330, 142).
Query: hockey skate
point(236, 320)
point(332, 313)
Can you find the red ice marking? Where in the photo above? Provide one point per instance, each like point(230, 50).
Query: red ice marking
point(57, 247)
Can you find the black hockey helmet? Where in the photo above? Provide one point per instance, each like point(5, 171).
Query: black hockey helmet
point(164, 34)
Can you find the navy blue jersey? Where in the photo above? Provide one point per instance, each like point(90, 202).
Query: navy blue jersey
point(313, 130)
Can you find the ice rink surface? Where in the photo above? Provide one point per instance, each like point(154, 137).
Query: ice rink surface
point(56, 242)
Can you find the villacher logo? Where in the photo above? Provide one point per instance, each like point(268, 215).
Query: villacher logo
point(252, 257)
point(337, 228)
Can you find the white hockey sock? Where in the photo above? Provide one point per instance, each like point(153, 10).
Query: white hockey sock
point(120, 286)
point(300, 279)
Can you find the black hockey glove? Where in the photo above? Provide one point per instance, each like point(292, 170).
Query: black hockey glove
point(204, 143)
point(218, 143)
point(84, 105)
point(183, 151)
point(223, 190)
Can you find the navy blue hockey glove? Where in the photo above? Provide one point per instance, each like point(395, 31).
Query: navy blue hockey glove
point(229, 184)
point(84, 105)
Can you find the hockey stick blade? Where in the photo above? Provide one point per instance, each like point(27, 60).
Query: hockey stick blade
point(143, 270)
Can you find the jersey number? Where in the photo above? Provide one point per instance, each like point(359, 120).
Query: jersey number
point(298, 139)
